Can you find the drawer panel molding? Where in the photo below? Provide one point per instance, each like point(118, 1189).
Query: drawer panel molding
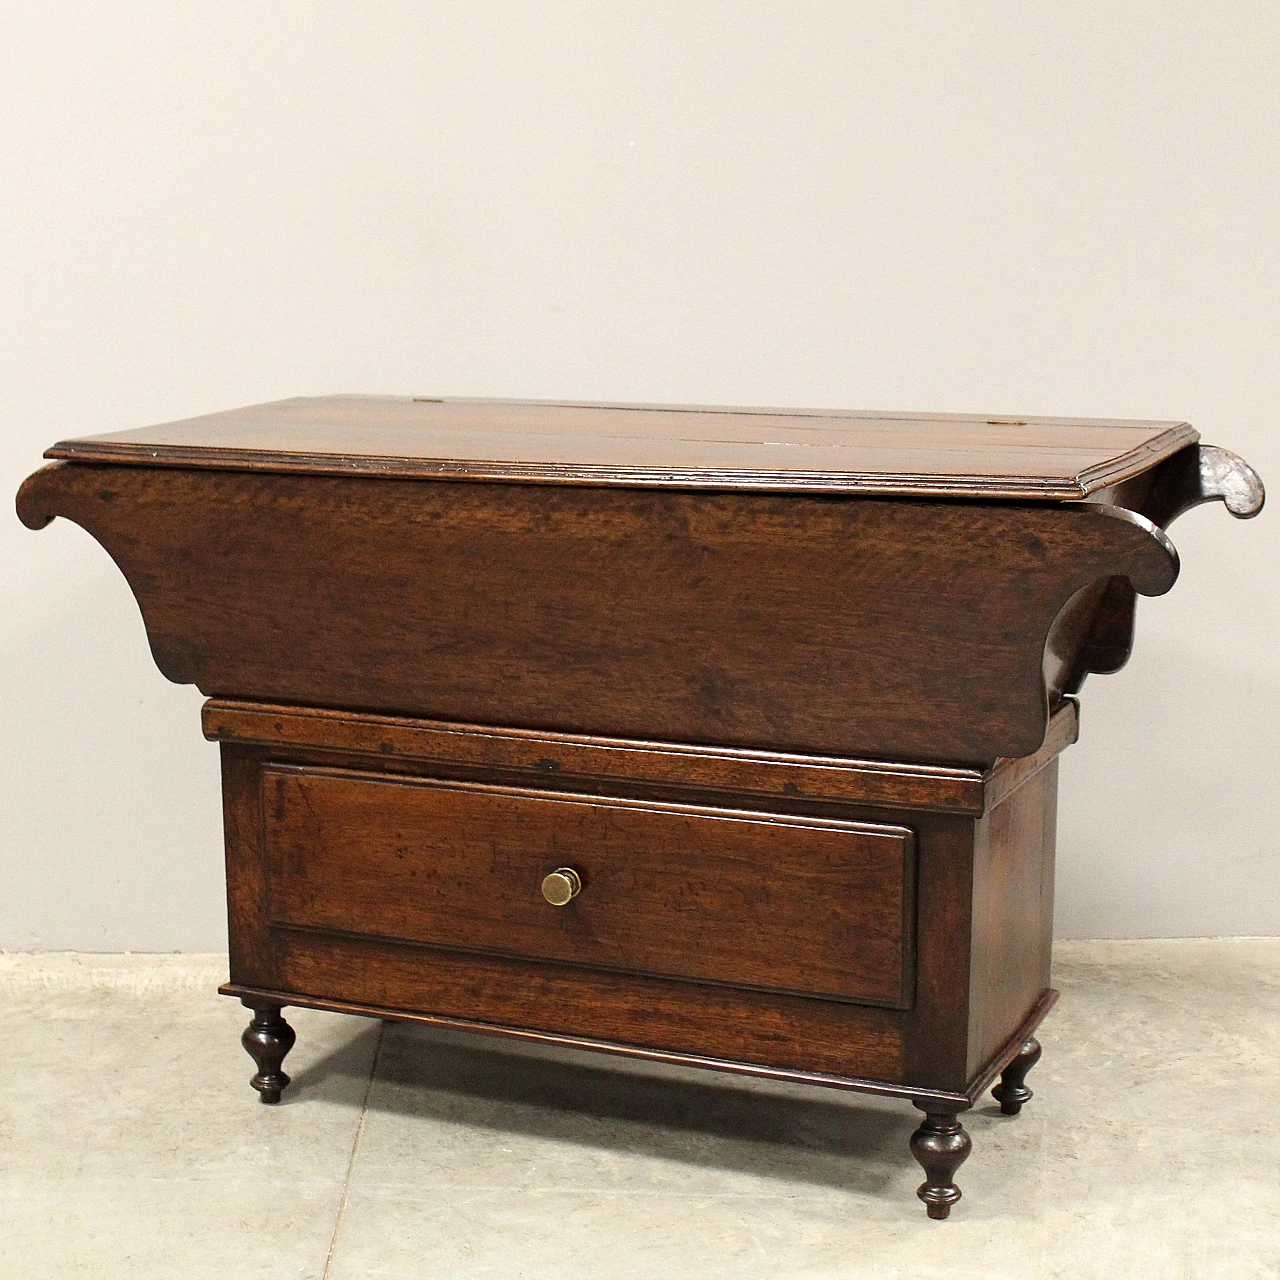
point(808, 906)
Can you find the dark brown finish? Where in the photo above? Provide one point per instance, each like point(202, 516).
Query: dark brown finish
point(803, 905)
point(925, 1048)
point(978, 1085)
point(853, 1084)
point(267, 1039)
point(941, 1145)
point(902, 630)
point(823, 450)
point(670, 1015)
point(935, 1034)
point(1206, 473)
point(1011, 912)
point(574, 761)
point(1094, 636)
point(1095, 632)
point(768, 703)
point(252, 957)
point(1012, 1093)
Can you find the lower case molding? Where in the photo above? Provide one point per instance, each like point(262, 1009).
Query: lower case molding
point(1011, 1047)
point(916, 1094)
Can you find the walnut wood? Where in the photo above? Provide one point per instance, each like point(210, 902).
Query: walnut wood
point(574, 760)
point(698, 1019)
point(1011, 1093)
point(786, 689)
point(927, 1046)
point(941, 1145)
point(1006, 776)
point(931, 455)
point(854, 1084)
point(1098, 627)
point(805, 905)
point(267, 1039)
point(1011, 913)
point(936, 1029)
point(1010, 1050)
point(252, 955)
point(791, 623)
point(1101, 638)
point(1203, 474)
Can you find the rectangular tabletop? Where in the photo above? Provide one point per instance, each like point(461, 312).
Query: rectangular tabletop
point(823, 450)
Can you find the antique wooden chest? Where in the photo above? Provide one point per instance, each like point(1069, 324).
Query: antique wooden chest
point(715, 736)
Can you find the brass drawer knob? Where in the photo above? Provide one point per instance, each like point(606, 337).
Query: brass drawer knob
point(561, 886)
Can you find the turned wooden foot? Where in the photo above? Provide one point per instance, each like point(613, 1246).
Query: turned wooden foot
point(1011, 1093)
point(267, 1039)
point(941, 1146)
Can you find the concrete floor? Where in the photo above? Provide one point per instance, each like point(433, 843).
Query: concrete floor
point(131, 1144)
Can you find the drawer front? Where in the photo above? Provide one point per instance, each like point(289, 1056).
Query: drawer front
point(601, 1006)
point(808, 906)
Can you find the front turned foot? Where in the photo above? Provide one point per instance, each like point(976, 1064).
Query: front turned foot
point(267, 1039)
point(1011, 1093)
point(941, 1146)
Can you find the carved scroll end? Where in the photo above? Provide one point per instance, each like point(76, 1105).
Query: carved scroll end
point(1199, 474)
point(1225, 475)
point(37, 498)
point(1093, 631)
point(1146, 557)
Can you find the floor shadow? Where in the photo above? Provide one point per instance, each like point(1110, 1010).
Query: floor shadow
point(993, 1110)
point(351, 1061)
point(817, 1136)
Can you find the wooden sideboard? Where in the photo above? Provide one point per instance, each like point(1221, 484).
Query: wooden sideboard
point(711, 736)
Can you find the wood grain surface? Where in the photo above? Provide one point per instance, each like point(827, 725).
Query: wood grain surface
point(657, 770)
point(657, 1013)
point(787, 904)
point(907, 454)
point(674, 1057)
point(831, 626)
point(315, 912)
point(784, 689)
point(1012, 937)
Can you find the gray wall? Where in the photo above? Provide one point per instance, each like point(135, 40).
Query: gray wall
point(1010, 207)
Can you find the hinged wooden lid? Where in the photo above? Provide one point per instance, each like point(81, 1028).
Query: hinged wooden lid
point(816, 450)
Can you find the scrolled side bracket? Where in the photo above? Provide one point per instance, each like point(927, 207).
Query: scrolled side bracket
point(35, 501)
point(1199, 474)
point(1151, 564)
point(1193, 476)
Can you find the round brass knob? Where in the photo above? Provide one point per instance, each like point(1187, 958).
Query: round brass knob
point(561, 886)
